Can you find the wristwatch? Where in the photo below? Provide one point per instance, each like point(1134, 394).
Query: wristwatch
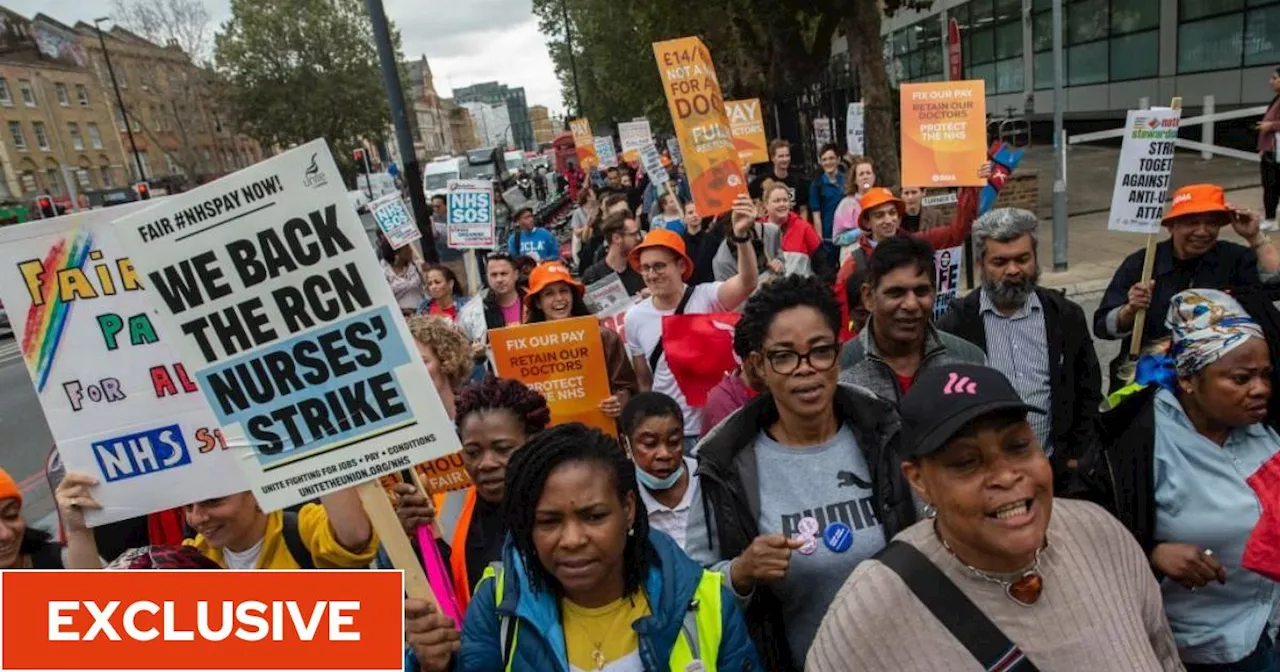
point(743, 239)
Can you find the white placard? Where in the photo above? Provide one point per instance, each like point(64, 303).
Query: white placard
point(609, 300)
point(394, 220)
point(822, 131)
point(606, 152)
point(855, 130)
point(652, 162)
point(940, 199)
point(673, 149)
point(634, 135)
point(1143, 172)
point(948, 264)
point(293, 333)
point(470, 216)
point(120, 404)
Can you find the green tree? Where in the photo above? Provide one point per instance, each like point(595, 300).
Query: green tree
point(297, 70)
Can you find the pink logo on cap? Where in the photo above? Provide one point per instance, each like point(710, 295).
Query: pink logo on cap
point(959, 385)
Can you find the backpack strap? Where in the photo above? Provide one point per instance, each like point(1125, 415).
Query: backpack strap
point(966, 622)
point(293, 541)
point(657, 352)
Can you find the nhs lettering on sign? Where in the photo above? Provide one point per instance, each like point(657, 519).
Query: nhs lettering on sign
point(143, 453)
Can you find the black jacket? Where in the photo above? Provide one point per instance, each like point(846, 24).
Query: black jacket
point(1119, 472)
point(1074, 374)
point(731, 491)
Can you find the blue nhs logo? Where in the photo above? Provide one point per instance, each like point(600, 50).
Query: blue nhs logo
point(146, 452)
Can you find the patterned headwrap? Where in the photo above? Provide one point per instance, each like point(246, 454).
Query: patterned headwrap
point(1206, 324)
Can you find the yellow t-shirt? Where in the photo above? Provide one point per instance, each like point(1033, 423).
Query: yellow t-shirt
point(602, 638)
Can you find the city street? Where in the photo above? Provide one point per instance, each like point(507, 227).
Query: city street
point(26, 440)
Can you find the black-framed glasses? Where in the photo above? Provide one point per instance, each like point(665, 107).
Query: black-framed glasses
point(819, 357)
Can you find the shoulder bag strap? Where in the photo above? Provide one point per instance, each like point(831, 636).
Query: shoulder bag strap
point(657, 352)
point(984, 640)
point(293, 541)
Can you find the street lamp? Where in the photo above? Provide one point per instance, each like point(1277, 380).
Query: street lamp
point(124, 113)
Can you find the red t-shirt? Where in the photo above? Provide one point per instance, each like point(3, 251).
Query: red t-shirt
point(451, 312)
point(904, 382)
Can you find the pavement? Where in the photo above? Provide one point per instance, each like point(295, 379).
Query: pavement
point(25, 440)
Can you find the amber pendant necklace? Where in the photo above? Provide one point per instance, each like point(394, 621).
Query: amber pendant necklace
point(1023, 591)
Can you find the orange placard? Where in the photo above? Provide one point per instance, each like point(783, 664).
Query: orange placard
point(746, 123)
point(443, 474)
point(584, 144)
point(702, 127)
point(251, 620)
point(564, 360)
point(944, 133)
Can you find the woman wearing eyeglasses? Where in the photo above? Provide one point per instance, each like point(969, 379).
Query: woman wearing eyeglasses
point(799, 483)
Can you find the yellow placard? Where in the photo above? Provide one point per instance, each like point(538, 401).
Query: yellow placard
point(944, 133)
point(697, 110)
point(746, 123)
point(562, 359)
point(584, 144)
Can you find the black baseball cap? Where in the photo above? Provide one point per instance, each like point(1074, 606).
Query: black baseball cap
point(945, 399)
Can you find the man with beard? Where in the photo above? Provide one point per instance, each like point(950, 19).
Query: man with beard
point(899, 340)
point(1036, 337)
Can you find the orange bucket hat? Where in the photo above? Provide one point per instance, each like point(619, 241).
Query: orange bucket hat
point(666, 239)
point(548, 273)
point(876, 197)
point(8, 488)
point(1196, 199)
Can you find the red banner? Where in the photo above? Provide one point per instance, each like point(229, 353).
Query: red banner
point(955, 68)
point(699, 352)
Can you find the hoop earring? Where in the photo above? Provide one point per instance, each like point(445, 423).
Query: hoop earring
point(930, 511)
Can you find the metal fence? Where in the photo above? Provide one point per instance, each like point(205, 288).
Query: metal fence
point(792, 113)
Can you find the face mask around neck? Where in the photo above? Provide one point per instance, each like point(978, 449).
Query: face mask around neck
point(651, 482)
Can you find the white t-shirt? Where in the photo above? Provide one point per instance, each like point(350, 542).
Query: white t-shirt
point(644, 331)
point(246, 559)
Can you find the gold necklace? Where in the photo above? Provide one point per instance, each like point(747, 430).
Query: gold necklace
point(597, 643)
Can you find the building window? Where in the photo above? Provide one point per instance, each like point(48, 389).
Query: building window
point(19, 139)
point(991, 43)
point(1227, 34)
point(60, 90)
point(28, 93)
point(77, 140)
point(54, 184)
point(95, 138)
point(82, 176)
point(6, 98)
point(1105, 41)
point(106, 177)
point(916, 52)
point(82, 92)
point(119, 119)
point(42, 138)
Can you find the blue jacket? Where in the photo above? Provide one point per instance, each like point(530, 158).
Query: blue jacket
point(539, 641)
point(538, 241)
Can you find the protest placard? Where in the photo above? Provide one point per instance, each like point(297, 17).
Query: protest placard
point(652, 162)
point(609, 300)
point(940, 199)
point(607, 153)
point(470, 215)
point(673, 150)
point(947, 264)
point(1144, 169)
point(747, 125)
point(821, 131)
point(121, 405)
point(291, 329)
point(634, 135)
point(855, 128)
point(562, 359)
point(443, 474)
point(394, 221)
point(944, 133)
point(697, 110)
point(584, 144)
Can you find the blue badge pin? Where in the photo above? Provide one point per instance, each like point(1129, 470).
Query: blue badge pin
point(838, 537)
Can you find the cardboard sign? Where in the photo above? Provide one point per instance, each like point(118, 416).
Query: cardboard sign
point(290, 327)
point(855, 128)
point(821, 131)
point(470, 215)
point(747, 125)
point(673, 150)
point(120, 404)
point(947, 264)
point(609, 300)
point(944, 133)
point(634, 135)
point(652, 162)
point(1142, 174)
point(606, 151)
point(697, 110)
point(443, 474)
point(562, 359)
point(394, 221)
point(584, 144)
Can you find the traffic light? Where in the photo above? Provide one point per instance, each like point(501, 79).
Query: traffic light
point(144, 191)
point(45, 205)
point(358, 155)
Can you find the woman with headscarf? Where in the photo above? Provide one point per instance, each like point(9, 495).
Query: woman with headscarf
point(1179, 454)
point(1001, 575)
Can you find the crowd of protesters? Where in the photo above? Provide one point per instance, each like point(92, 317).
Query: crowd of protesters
point(866, 488)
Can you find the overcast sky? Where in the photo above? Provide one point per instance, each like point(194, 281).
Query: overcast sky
point(466, 41)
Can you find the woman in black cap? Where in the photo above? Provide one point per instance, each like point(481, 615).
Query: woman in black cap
point(1004, 576)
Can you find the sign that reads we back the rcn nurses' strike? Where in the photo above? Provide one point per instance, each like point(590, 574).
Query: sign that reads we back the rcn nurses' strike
point(276, 300)
point(944, 133)
point(120, 403)
point(1142, 176)
point(470, 215)
point(697, 108)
